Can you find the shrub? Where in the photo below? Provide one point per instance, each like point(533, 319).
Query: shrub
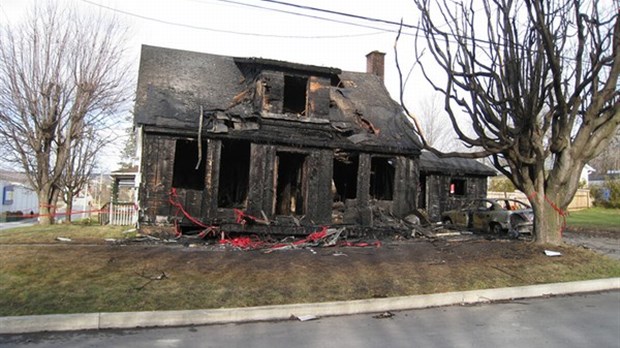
point(607, 195)
point(10, 216)
point(501, 184)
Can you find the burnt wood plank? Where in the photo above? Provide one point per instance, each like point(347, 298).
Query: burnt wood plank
point(363, 180)
point(209, 194)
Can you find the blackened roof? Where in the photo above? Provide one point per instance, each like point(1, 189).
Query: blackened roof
point(430, 163)
point(173, 85)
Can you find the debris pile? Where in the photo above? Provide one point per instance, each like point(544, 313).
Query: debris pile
point(325, 237)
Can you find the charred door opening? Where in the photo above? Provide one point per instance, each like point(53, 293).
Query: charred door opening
point(295, 95)
point(290, 184)
point(345, 177)
point(185, 175)
point(382, 178)
point(234, 174)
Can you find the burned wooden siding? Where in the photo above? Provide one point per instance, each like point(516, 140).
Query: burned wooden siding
point(446, 182)
point(439, 198)
point(405, 186)
point(260, 196)
point(319, 200)
point(263, 181)
point(403, 201)
point(156, 170)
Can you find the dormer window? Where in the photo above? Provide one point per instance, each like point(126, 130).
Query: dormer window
point(295, 95)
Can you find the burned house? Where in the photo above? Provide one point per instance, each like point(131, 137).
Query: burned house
point(296, 145)
point(445, 183)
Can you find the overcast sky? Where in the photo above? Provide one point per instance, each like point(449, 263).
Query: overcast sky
point(262, 29)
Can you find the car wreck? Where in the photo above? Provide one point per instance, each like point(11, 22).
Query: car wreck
point(496, 216)
point(264, 146)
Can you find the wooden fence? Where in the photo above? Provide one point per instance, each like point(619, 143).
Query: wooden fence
point(119, 214)
point(582, 199)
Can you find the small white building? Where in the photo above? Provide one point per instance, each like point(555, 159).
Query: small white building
point(17, 196)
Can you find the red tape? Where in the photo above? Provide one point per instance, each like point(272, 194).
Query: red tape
point(561, 212)
point(245, 243)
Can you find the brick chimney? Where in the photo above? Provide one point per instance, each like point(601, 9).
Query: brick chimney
point(375, 63)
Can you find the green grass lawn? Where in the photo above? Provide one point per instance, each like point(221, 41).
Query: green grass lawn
point(76, 232)
point(598, 218)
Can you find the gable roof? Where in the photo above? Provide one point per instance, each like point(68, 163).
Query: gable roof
point(173, 85)
point(430, 163)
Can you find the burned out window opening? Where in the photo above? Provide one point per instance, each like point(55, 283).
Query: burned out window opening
point(290, 184)
point(345, 176)
point(295, 95)
point(234, 174)
point(458, 187)
point(382, 173)
point(185, 175)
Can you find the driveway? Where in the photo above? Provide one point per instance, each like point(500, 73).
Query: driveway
point(15, 224)
point(604, 242)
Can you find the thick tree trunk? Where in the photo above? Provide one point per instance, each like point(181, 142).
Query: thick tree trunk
point(548, 225)
point(47, 204)
point(46, 210)
point(548, 220)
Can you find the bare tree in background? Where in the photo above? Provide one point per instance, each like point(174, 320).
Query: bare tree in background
point(435, 124)
point(537, 83)
point(128, 153)
point(62, 78)
point(81, 162)
point(608, 160)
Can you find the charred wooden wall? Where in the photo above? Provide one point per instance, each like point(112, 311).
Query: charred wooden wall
point(263, 173)
point(158, 169)
point(439, 199)
point(404, 200)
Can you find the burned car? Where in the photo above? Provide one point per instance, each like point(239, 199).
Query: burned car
point(492, 215)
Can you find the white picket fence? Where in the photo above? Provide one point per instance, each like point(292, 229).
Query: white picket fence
point(118, 214)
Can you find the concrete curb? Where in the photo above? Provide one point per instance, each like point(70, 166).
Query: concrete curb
point(124, 320)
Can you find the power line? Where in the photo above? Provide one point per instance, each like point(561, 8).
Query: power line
point(189, 26)
point(344, 14)
point(451, 37)
point(308, 16)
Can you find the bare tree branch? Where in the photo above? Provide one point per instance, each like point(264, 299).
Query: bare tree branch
point(537, 82)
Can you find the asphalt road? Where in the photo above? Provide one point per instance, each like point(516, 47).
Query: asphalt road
point(588, 320)
point(15, 224)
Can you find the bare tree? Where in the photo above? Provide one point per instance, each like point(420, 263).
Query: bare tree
point(62, 76)
point(434, 123)
point(537, 82)
point(81, 162)
point(128, 152)
point(609, 159)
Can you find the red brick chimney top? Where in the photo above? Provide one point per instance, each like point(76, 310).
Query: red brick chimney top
point(375, 63)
